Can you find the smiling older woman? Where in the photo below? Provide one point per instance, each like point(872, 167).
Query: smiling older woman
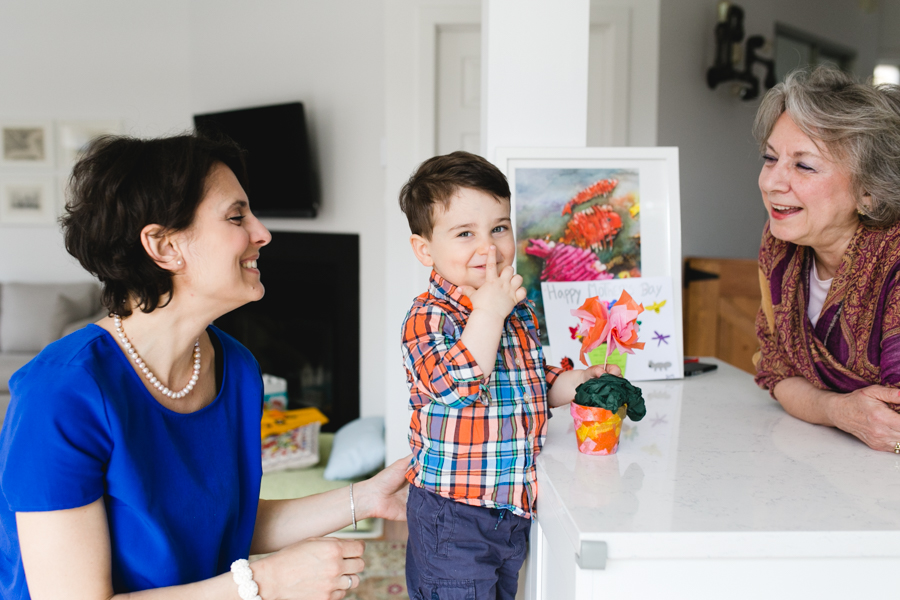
point(130, 456)
point(829, 329)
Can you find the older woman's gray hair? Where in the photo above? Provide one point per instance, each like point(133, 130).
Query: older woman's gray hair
point(859, 124)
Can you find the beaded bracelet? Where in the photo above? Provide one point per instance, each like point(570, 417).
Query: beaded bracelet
point(243, 577)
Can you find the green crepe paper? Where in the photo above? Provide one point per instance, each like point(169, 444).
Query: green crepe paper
point(611, 392)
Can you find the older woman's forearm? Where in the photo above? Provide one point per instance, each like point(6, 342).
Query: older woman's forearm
point(803, 400)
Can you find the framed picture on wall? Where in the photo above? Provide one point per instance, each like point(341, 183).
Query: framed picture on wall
point(74, 136)
point(28, 200)
point(27, 144)
point(585, 216)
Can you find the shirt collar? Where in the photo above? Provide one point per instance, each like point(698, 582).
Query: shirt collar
point(443, 289)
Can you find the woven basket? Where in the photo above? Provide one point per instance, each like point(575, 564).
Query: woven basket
point(290, 439)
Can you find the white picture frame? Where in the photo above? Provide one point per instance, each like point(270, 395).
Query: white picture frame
point(27, 144)
point(654, 171)
point(73, 137)
point(28, 200)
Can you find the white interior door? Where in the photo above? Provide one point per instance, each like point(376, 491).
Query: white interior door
point(458, 94)
point(623, 73)
point(622, 78)
point(608, 76)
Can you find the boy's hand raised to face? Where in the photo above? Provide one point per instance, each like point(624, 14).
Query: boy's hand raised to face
point(500, 292)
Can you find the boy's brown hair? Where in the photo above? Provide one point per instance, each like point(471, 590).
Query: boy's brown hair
point(438, 178)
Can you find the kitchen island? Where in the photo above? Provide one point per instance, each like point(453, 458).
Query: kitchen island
point(716, 493)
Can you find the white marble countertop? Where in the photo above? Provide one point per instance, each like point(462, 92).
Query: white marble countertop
point(718, 469)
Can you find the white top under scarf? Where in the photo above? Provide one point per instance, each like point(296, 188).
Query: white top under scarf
point(818, 290)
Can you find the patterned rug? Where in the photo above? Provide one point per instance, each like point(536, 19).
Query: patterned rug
point(384, 577)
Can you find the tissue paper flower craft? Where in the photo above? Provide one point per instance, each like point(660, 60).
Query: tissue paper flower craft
point(604, 187)
point(563, 262)
point(612, 393)
point(594, 316)
point(598, 409)
point(595, 228)
point(615, 326)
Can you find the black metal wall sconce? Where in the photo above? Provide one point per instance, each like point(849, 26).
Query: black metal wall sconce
point(729, 53)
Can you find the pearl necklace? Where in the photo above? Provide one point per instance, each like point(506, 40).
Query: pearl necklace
point(154, 381)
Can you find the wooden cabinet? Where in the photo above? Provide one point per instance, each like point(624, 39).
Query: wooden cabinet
point(721, 299)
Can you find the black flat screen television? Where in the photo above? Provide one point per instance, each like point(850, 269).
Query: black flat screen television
point(279, 169)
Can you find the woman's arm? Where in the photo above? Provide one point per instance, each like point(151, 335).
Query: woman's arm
point(862, 413)
point(280, 523)
point(66, 554)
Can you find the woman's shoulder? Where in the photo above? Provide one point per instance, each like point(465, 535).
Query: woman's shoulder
point(884, 241)
point(81, 349)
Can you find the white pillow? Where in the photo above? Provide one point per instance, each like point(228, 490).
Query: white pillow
point(358, 449)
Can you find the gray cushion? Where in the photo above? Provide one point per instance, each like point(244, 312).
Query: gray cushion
point(33, 314)
point(10, 363)
point(76, 325)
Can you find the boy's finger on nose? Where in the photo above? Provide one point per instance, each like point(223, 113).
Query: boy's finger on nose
point(491, 266)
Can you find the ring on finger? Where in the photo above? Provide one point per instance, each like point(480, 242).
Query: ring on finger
point(349, 582)
point(897, 448)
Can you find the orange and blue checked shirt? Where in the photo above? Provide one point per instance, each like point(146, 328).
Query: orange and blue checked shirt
point(474, 440)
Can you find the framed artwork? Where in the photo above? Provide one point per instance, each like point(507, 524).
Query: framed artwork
point(26, 144)
point(28, 200)
point(74, 136)
point(596, 214)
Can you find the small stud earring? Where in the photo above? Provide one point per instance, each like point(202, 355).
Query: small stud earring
point(178, 262)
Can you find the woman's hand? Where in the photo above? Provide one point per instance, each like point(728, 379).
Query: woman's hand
point(384, 495)
point(314, 569)
point(867, 413)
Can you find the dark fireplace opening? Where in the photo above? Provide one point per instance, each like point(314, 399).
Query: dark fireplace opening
point(306, 327)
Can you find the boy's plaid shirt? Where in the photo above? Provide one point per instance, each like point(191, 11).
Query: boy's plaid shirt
point(474, 441)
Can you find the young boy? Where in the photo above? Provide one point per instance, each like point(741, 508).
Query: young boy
point(479, 387)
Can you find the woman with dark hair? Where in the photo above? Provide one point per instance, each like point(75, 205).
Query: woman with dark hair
point(829, 327)
point(130, 453)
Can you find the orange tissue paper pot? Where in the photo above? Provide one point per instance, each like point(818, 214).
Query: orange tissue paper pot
point(597, 429)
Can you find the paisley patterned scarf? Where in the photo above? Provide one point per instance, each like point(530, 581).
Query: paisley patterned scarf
point(856, 341)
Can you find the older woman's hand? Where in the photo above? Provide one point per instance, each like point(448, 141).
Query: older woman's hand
point(867, 413)
point(314, 569)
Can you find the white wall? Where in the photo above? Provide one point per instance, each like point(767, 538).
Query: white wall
point(329, 54)
point(84, 60)
point(722, 213)
point(154, 65)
